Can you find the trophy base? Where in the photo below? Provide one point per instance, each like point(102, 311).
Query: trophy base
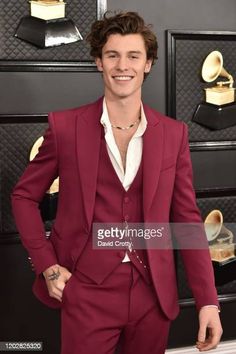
point(220, 95)
point(47, 10)
point(47, 33)
point(215, 117)
point(222, 252)
point(48, 206)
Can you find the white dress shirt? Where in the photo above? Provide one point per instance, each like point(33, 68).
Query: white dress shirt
point(134, 151)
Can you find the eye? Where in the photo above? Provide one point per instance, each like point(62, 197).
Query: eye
point(112, 55)
point(133, 56)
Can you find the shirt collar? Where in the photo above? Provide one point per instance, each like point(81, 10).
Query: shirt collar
point(105, 121)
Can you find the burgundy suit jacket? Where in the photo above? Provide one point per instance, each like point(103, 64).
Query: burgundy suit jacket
point(71, 150)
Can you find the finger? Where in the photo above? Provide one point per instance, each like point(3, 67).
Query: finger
point(57, 297)
point(55, 292)
point(206, 347)
point(65, 280)
point(210, 343)
point(202, 333)
point(69, 276)
point(200, 346)
point(60, 286)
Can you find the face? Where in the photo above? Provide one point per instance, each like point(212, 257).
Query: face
point(123, 64)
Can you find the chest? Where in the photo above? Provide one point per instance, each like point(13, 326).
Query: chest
point(122, 139)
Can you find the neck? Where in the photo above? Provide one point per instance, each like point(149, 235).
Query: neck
point(123, 112)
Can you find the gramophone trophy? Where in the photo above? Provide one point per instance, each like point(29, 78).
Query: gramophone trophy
point(48, 206)
point(223, 91)
point(219, 109)
point(221, 245)
point(47, 25)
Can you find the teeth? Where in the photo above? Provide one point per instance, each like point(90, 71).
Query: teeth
point(122, 78)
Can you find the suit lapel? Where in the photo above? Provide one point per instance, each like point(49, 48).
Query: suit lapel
point(152, 158)
point(88, 136)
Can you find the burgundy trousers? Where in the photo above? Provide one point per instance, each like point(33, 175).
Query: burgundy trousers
point(124, 309)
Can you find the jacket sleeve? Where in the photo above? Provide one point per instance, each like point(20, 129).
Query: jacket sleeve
point(190, 235)
point(26, 196)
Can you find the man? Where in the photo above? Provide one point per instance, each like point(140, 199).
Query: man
point(118, 161)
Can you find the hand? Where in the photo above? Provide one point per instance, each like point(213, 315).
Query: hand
point(209, 319)
point(56, 278)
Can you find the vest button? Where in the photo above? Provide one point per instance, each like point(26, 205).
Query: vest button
point(127, 217)
point(121, 254)
point(126, 200)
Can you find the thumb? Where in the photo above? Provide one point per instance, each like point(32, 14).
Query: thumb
point(68, 275)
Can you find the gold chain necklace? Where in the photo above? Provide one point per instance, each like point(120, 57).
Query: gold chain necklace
point(129, 126)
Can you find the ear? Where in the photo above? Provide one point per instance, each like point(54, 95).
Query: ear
point(148, 66)
point(98, 62)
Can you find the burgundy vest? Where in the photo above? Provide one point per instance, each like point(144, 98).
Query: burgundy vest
point(113, 204)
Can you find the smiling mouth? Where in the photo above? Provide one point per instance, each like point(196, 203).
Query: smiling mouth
point(122, 78)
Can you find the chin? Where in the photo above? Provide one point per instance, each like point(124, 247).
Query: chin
point(123, 94)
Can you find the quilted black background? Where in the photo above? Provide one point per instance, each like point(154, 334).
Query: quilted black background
point(82, 12)
point(16, 141)
point(190, 54)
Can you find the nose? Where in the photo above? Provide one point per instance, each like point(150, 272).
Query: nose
point(122, 64)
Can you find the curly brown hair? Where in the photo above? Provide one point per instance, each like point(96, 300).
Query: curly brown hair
point(121, 23)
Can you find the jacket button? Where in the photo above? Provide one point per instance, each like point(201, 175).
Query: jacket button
point(126, 200)
point(127, 217)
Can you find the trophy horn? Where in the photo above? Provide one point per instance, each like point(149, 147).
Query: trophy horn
point(213, 224)
point(214, 227)
point(54, 188)
point(213, 67)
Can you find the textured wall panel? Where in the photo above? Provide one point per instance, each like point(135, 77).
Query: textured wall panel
point(16, 141)
point(82, 12)
point(214, 169)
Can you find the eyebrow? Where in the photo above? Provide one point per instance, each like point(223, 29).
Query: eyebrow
point(130, 52)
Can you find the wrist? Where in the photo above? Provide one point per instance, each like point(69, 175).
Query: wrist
point(210, 306)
